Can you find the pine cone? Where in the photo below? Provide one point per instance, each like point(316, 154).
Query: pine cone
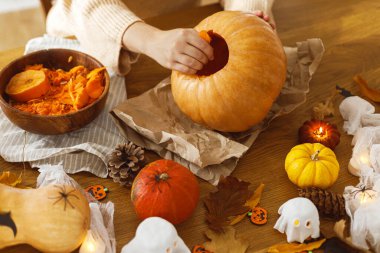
point(125, 162)
point(329, 204)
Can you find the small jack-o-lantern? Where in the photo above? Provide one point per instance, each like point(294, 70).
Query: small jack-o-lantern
point(259, 216)
point(99, 192)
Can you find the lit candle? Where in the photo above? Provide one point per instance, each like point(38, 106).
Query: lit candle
point(364, 158)
point(363, 196)
point(318, 131)
point(92, 244)
point(358, 162)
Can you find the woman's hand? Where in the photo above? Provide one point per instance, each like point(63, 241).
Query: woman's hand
point(265, 17)
point(178, 49)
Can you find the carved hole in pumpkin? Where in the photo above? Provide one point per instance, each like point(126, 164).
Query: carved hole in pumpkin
point(221, 54)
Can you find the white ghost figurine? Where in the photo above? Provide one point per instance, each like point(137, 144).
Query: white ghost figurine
point(156, 235)
point(299, 220)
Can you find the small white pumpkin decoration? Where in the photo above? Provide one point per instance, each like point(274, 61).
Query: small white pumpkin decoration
point(156, 235)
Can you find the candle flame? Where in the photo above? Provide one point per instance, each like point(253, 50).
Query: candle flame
point(320, 132)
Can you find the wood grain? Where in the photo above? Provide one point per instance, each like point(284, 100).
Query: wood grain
point(351, 35)
point(52, 124)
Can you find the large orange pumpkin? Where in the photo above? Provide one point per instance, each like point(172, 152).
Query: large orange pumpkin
point(165, 189)
point(236, 90)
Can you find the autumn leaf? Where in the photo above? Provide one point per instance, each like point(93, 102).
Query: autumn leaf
point(228, 201)
point(11, 179)
point(225, 242)
point(326, 108)
point(295, 247)
point(367, 91)
point(252, 202)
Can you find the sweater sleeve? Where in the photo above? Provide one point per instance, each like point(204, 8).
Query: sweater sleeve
point(99, 26)
point(249, 5)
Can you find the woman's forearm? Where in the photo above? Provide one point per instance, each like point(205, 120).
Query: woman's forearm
point(138, 37)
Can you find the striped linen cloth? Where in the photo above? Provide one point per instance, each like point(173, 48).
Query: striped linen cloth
point(81, 150)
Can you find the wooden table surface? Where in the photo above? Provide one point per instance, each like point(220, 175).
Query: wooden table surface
point(351, 35)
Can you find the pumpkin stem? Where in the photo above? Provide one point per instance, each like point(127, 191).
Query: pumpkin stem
point(163, 177)
point(314, 156)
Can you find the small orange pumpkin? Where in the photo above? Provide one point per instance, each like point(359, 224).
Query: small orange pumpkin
point(259, 216)
point(165, 189)
point(318, 131)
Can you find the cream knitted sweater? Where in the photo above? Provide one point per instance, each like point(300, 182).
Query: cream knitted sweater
point(100, 24)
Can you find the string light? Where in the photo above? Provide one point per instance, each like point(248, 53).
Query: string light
point(92, 244)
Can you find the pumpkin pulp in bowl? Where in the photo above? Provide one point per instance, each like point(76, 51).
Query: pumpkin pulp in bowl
point(43, 91)
point(52, 123)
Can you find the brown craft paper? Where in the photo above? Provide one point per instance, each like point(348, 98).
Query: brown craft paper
point(154, 121)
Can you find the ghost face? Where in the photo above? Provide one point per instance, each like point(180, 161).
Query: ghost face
point(156, 235)
point(299, 220)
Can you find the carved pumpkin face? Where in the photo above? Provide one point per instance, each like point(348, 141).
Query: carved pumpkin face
point(317, 131)
point(259, 216)
point(200, 249)
point(99, 192)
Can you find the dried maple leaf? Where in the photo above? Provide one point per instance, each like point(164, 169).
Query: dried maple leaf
point(367, 91)
point(225, 242)
point(295, 247)
point(252, 202)
point(228, 201)
point(11, 179)
point(325, 108)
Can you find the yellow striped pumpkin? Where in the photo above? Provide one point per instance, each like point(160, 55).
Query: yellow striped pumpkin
point(312, 165)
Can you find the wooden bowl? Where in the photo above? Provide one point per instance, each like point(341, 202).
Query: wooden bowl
point(51, 125)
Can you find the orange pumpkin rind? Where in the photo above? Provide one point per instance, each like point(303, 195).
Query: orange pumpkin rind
point(28, 85)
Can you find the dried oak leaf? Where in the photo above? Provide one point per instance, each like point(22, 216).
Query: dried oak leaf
point(367, 91)
point(252, 202)
point(225, 242)
point(228, 201)
point(295, 247)
point(9, 178)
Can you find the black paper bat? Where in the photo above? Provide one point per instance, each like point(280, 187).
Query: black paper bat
point(7, 221)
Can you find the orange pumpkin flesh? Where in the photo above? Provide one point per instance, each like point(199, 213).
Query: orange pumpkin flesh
point(165, 189)
point(249, 76)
